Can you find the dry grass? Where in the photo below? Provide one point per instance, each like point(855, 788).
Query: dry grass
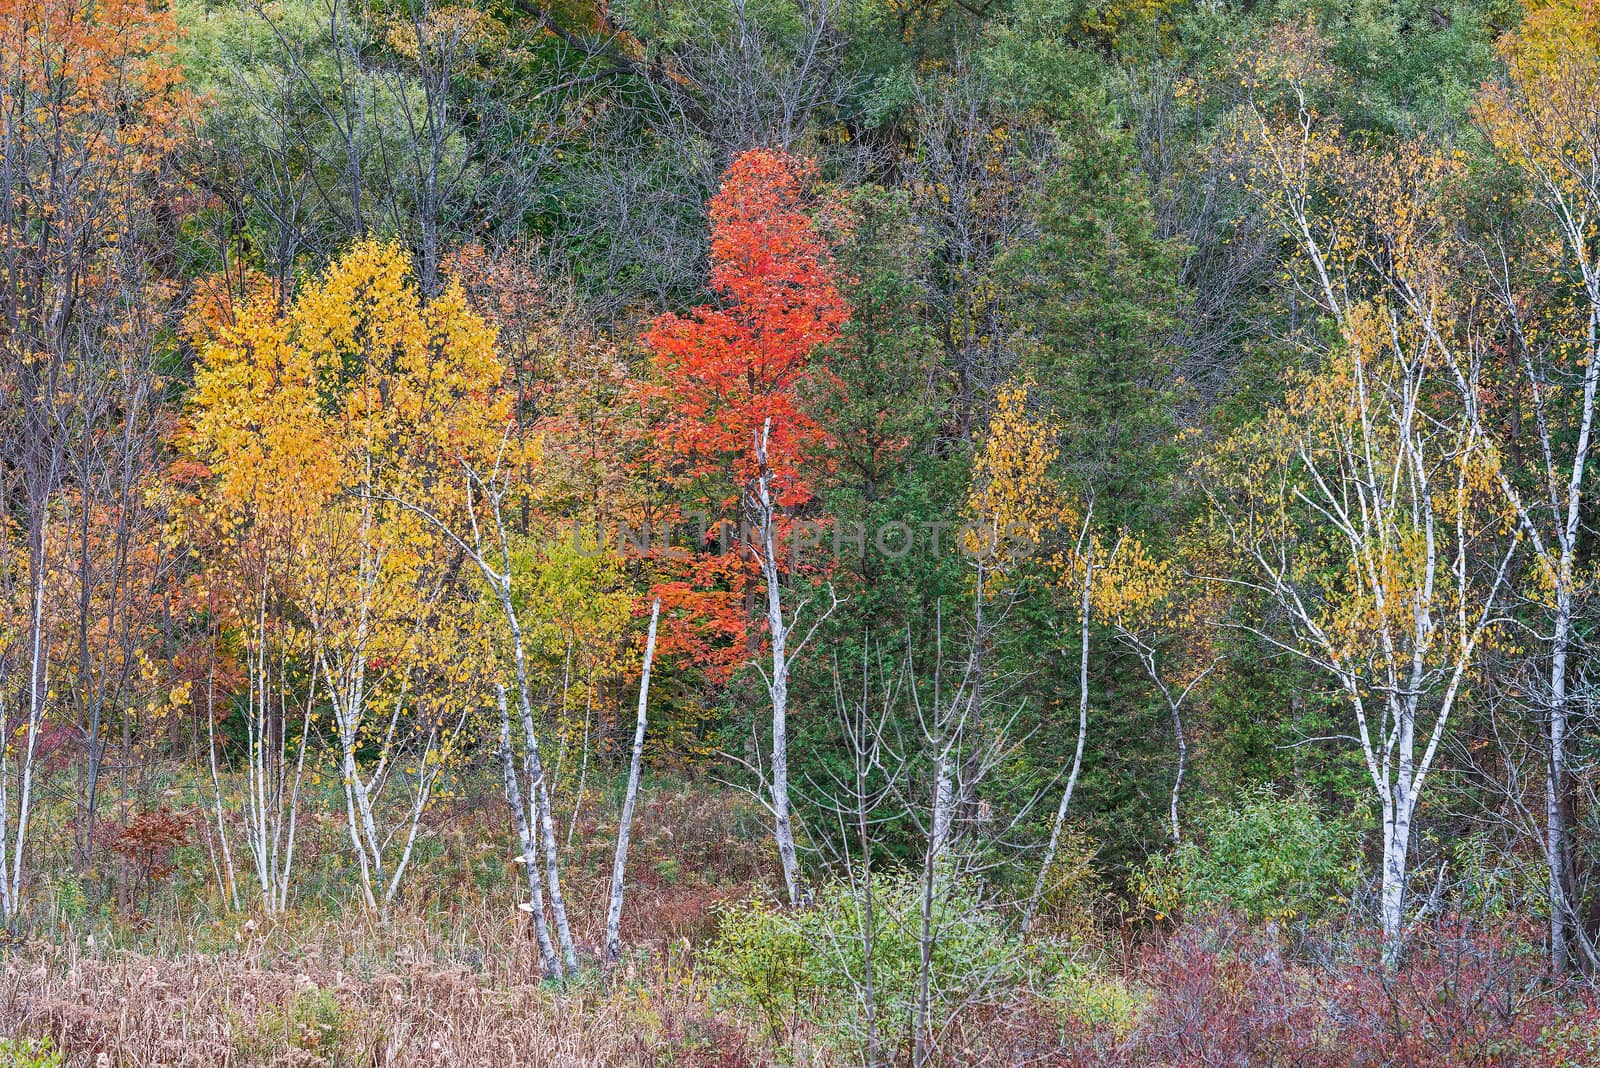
point(451, 979)
point(457, 989)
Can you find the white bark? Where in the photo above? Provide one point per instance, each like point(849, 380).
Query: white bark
point(1374, 501)
point(619, 863)
point(1146, 651)
point(486, 542)
point(383, 846)
point(1386, 478)
point(762, 506)
point(272, 779)
point(1552, 524)
point(227, 877)
point(526, 836)
point(1084, 606)
point(12, 877)
point(946, 734)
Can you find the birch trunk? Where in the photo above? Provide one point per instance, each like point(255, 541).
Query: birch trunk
point(1555, 789)
point(778, 682)
point(1084, 607)
point(1396, 853)
point(231, 887)
point(946, 734)
point(529, 860)
point(1177, 778)
point(532, 765)
point(619, 865)
point(272, 779)
point(944, 798)
point(529, 802)
point(38, 671)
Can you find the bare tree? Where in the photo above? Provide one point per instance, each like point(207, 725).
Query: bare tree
point(912, 748)
point(974, 186)
point(1200, 198)
point(852, 811)
point(343, 130)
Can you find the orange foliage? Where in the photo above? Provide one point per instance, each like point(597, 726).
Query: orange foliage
point(723, 372)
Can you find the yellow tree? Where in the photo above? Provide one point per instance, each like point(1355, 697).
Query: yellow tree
point(261, 463)
point(388, 639)
point(295, 413)
point(1360, 514)
point(1361, 509)
point(577, 610)
point(463, 462)
point(1542, 120)
point(1019, 511)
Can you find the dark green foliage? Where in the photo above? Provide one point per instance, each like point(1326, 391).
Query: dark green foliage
point(1101, 294)
point(1267, 857)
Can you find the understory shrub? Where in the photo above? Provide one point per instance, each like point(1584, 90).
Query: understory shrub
point(816, 965)
point(29, 1053)
point(313, 1022)
point(1266, 858)
point(1225, 992)
point(1096, 1003)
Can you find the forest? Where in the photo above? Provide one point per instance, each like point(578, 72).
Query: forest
point(799, 533)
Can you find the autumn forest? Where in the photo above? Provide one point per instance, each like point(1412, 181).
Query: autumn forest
point(799, 532)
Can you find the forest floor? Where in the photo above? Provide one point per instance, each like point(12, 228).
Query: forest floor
point(450, 978)
point(169, 978)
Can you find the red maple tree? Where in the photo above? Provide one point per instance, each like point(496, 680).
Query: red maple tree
point(723, 372)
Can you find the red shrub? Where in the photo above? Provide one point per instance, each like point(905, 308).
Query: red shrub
point(1225, 994)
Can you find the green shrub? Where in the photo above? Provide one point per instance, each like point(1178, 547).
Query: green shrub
point(29, 1053)
point(1100, 1003)
point(313, 1022)
point(70, 903)
point(1268, 857)
point(1488, 885)
point(810, 965)
point(760, 958)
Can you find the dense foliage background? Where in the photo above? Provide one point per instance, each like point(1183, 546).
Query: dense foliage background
point(1114, 479)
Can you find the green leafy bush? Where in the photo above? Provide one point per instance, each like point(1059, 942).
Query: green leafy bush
point(811, 965)
point(29, 1053)
point(1487, 885)
point(1096, 1002)
point(760, 957)
point(313, 1022)
point(1268, 857)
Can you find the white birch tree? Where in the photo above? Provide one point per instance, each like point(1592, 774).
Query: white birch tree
point(619, 864)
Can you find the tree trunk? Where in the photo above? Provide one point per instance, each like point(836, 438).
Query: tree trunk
point(533, 769)
point(1177, 779)
point(534, 906)
point(1077, 757)
point(1396, 848)
point(625, 824)
point(1555, 782)
point(778, 685)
